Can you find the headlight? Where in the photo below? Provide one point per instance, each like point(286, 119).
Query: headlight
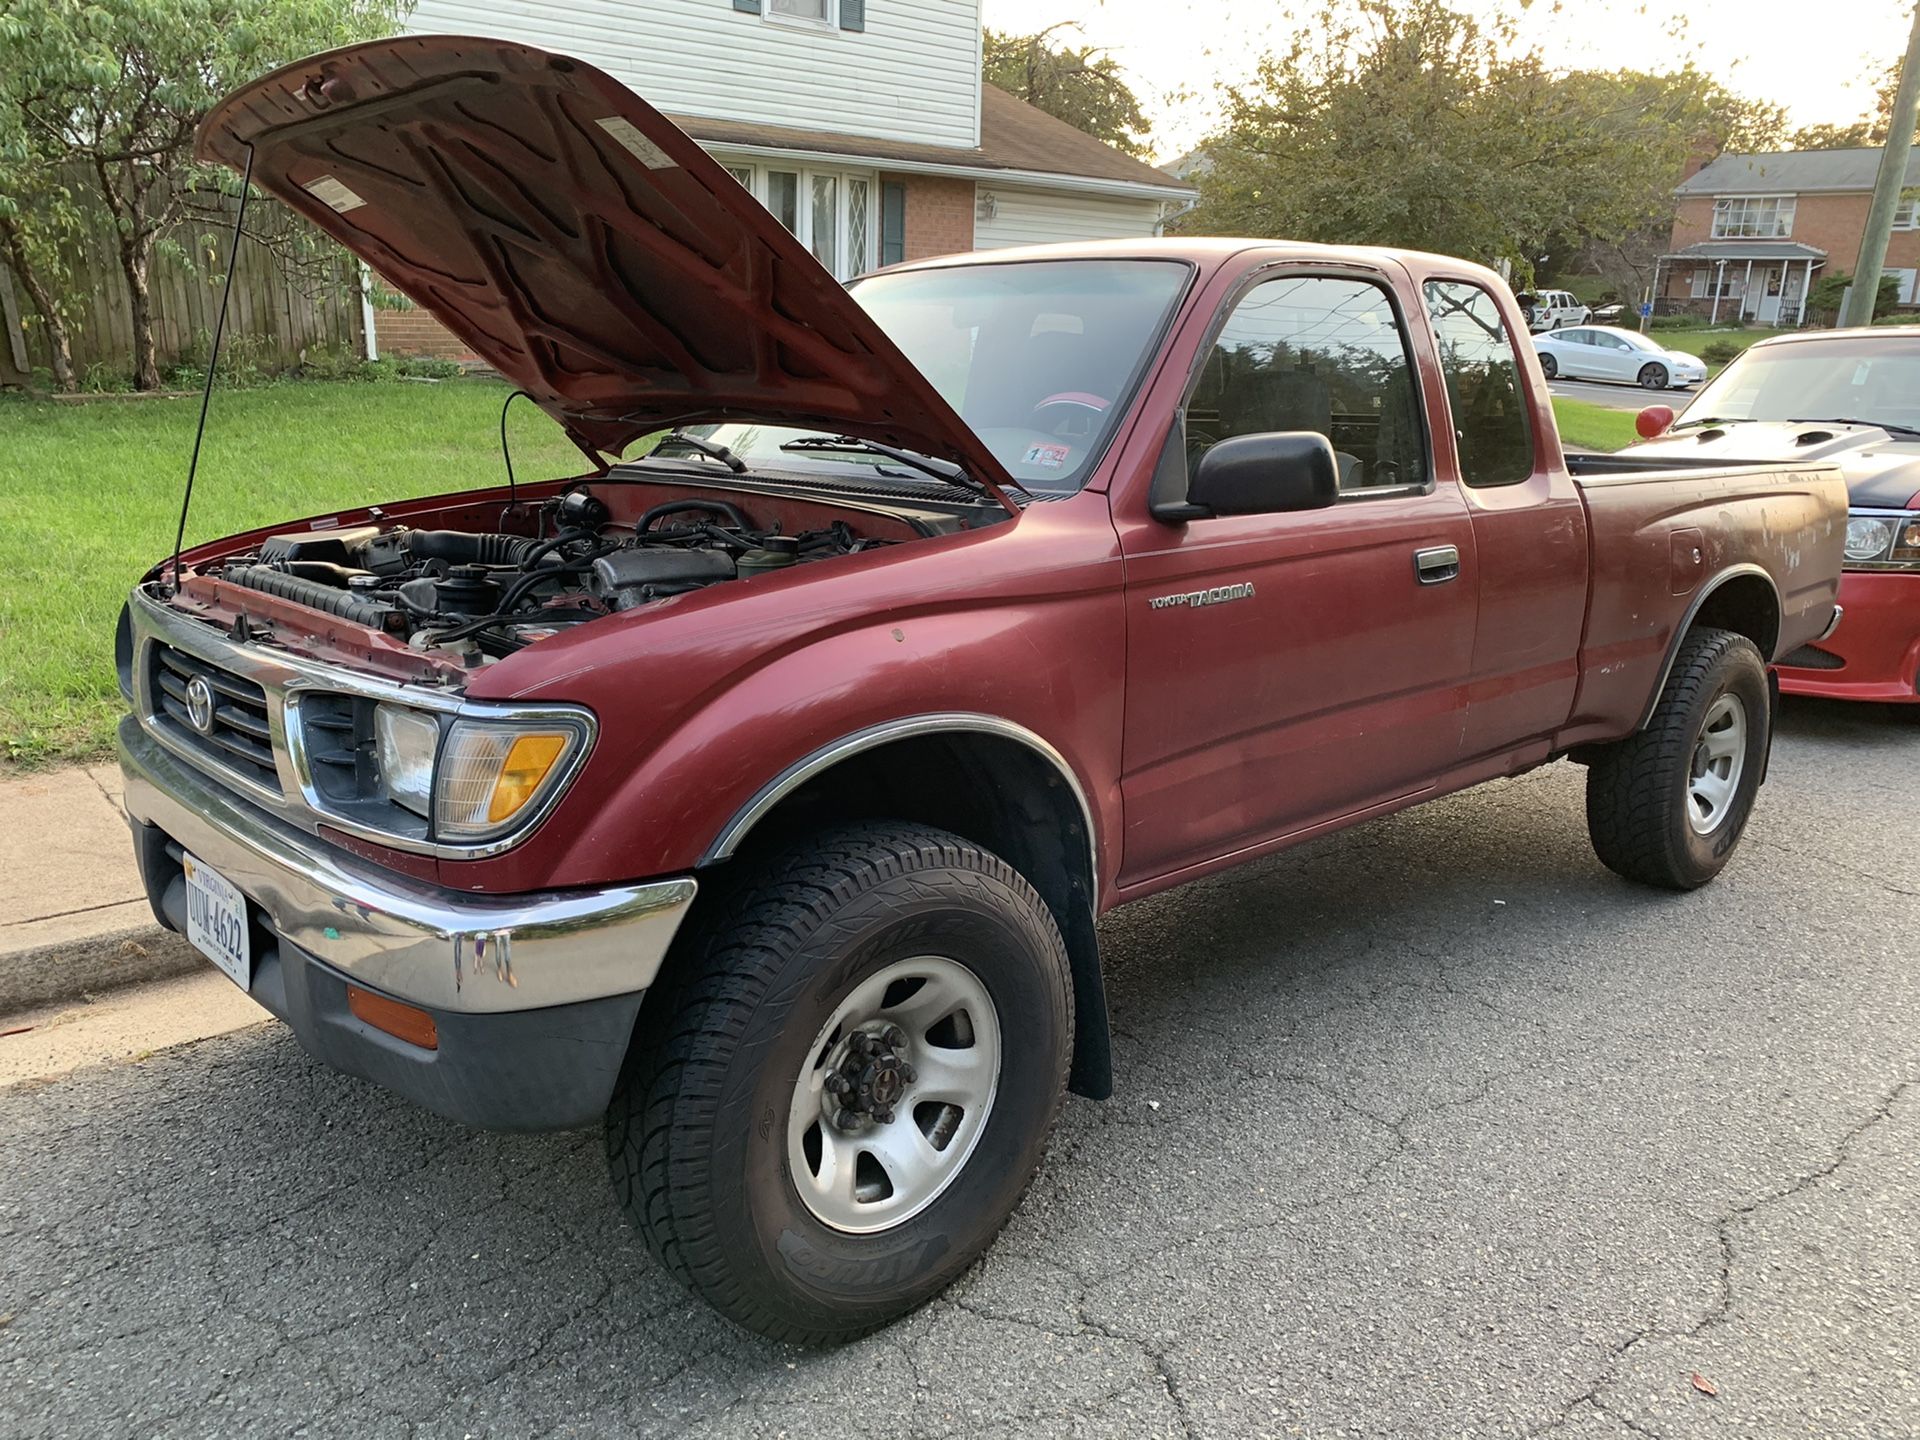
point(1879, 539)
point(490, 773)
point(405, 742)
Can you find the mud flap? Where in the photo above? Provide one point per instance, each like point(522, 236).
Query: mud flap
point(1773, 720)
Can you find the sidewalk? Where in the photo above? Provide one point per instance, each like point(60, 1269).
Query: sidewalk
point(73, 918)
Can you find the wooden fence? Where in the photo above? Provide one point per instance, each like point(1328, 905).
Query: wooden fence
point(272, 319)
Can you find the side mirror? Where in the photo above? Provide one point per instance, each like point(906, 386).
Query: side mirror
point(1654, 421)
point(1266, 474)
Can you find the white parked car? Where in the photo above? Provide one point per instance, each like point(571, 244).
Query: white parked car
point(1551, 309)
point(1606, 352)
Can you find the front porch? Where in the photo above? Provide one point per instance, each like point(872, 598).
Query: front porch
point(1765, 282)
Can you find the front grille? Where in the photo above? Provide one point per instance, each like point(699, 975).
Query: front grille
point(338, 734)
point(238, 735)
point(1812, 657)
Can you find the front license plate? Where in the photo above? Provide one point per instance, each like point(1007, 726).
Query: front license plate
point(217, 921)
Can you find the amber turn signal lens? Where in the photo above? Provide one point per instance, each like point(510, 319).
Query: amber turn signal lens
point(403, 1022)
point(527, 764)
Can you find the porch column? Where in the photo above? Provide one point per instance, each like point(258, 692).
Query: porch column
point(1746, 289)
point(1719, 278)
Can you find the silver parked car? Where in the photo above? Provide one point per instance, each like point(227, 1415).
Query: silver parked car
point(1606, 352)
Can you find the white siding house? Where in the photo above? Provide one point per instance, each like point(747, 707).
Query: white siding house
point(862, 124)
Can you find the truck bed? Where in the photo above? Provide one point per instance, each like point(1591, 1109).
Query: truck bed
point(1719, 535)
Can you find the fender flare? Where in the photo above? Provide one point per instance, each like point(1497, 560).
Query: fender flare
point(1732, 572)
point(872, 737)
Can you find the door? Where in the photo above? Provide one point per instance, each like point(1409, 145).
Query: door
point(1529, 528)
point(1575, 353)
point(1285, 669)
point(1767, 311)
point(1614, 358)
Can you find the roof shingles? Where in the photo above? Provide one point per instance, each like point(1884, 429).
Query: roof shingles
point(1014, 136)
point(1792, 172)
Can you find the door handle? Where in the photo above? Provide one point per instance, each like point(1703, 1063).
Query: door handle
point(1437, 564)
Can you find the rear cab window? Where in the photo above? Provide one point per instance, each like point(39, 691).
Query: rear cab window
point(1491, 425)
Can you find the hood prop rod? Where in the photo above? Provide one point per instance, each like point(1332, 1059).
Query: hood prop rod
point(213, 364)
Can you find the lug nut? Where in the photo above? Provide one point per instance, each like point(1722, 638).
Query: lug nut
point(837, 1084)
point(896, 1037)
point(908, 1073)
point(844, 1120)
point(884, 1115)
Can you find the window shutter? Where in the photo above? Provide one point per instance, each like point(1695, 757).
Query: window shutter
point(893, 222)
point(853, 14)
point(750, 7)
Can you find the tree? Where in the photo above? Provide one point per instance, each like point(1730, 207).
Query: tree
point(1081, 85)
point(1416, 124)
point(111, 91)
point(38, 226)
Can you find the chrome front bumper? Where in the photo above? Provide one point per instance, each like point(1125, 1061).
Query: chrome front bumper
point(440, 949)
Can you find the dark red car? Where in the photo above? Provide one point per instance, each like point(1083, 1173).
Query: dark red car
point(1850, 398)
point(756, 798)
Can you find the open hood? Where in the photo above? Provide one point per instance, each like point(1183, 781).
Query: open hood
point(1882, 470)
point(579, 242)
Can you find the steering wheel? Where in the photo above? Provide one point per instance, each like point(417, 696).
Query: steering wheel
point(1070, 412)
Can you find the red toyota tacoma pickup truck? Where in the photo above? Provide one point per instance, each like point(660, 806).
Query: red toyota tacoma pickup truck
point(760, 794)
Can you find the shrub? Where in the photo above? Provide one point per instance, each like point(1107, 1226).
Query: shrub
point(1720, 352)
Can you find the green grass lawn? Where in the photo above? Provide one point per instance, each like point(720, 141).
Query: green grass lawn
point(1584, 426)
point(90, 495)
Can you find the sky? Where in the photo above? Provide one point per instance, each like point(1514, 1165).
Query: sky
point(1818, 59)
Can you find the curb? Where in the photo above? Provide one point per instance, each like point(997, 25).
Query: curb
point(86, 965)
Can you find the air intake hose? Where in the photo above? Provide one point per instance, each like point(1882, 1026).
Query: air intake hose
point(458, 547)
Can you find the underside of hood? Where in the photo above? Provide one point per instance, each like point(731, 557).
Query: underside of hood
point(1883, 471)
point(578, 241)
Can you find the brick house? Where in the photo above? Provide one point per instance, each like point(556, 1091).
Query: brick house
point(1751, 233)
point(862, 124)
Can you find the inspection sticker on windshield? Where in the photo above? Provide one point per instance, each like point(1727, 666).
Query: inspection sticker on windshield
point(329, 191)
point(1047, 457)
point(643, 149)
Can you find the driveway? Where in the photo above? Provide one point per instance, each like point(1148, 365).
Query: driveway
point(1433, 1128)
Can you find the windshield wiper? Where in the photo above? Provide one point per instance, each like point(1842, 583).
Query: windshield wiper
point(1703, 420)
point(943, 470)
point(1875, 424)
point(705, 447)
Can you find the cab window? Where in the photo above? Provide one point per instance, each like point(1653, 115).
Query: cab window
point(1319, 353)
point(1489, 398)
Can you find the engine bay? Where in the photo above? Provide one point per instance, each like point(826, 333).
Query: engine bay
point(571, 558)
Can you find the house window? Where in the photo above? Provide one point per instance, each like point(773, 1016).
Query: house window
point(830, 211)
point(1907, 215)
point(1905, 279)
point(1753, 217)
point(893, 222)
point(1725, 286)
point(817, 12)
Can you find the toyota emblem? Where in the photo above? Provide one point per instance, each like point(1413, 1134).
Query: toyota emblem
point(200, 705)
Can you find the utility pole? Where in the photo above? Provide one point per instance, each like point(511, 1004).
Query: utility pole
point(1887, 186)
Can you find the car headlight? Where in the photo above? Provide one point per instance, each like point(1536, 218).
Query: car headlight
point(490, 773)
point(405, 742)
point(1878, 539)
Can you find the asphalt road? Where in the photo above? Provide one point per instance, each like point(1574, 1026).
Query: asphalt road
point(1434, 1128)
point(1619, 396)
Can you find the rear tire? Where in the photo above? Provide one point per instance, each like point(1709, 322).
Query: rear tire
point(1653, 377)
point(722, 1115)
point(1549, 366)
point(1667, 806)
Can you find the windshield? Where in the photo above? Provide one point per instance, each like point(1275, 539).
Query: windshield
point(1040, 357)
point(1872, 379)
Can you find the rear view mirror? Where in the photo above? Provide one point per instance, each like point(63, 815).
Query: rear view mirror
point(1654, 421)
point(1265, 474)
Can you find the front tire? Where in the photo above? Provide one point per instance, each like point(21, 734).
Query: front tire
point(1549, 366)
point(1653, 376)
point(876, 970)
point(1667, 806)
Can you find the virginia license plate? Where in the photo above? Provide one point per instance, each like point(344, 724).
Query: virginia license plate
point(217, 921)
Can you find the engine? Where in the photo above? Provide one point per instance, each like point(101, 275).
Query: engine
point(496, 592)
